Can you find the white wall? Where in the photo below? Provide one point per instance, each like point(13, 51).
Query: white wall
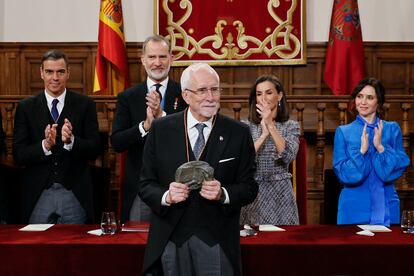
point(77, 20)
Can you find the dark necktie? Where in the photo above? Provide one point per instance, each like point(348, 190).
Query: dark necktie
point(157, 89)
point(200, 142)
point(54, 110)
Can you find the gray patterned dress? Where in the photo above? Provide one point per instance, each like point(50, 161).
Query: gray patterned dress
point(275, 203)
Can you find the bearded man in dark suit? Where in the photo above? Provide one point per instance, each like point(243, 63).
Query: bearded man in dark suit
point(137, 107)
point(197, 232)
point(55, 135)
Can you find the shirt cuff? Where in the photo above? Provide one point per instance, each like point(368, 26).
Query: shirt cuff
point(164, 199)
point(141, 129)
point(226, 194)
point(47, 152)
point(69, 147)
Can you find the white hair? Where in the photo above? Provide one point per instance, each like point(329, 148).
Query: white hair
point(188, 72)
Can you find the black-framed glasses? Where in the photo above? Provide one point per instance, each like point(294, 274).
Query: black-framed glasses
point(202, 92)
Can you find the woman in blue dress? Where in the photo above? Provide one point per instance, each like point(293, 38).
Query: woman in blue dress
point(368, 158)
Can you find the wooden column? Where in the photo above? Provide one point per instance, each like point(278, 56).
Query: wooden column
point(9, 107)
point(342, 113)
point(320, 143)
point(115, 195)
point(299, 109)
point(236, 111)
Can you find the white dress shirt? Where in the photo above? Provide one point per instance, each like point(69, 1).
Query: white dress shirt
point(193, 135)
point(59, 107)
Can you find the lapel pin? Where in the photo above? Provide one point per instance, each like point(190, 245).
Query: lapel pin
point(221, 138)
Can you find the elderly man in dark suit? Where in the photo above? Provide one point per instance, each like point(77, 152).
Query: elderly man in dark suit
point(55, 135)
point(197, 232)
point(137, 107)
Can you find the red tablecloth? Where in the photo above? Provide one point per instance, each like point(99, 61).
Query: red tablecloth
point(301, 250)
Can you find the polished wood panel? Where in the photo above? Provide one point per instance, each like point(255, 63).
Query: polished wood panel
point(310, 100)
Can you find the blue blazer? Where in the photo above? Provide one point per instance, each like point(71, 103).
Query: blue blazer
point(368, 195)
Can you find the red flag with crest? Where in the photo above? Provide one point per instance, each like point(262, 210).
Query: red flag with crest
point(345, 61)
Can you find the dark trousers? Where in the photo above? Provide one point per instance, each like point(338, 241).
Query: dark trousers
point(194, 257)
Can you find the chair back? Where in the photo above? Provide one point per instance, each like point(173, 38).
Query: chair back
point(299, 180)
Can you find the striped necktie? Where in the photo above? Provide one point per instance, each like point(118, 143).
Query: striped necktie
point(200, 142)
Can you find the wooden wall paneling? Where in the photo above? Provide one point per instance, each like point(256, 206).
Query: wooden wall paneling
point(82, 67)
point(11, 72)
point(391, 62)
point(3, 83)
point(303, 80)
point(134, 65)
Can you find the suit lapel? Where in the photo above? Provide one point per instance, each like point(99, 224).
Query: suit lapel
point(67, 107)
point(43, 112)
point(170, 98)
point(181, 137)
point(217, 142)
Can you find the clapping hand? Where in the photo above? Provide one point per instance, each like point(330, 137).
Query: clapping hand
point(67, 132)
point(266, 114)
point(154, 102)
point(153, 108)
point(50, 136)
point(264, 111)
point(364, 140)
point(378, 137)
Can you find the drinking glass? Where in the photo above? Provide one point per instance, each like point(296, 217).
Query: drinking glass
point(108, 223)
point(407, 221)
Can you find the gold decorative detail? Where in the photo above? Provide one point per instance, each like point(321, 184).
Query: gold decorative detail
point(239, 48)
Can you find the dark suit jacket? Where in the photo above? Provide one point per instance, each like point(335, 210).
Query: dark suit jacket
point(31, 118)
point(131, 110)
point(165, 151)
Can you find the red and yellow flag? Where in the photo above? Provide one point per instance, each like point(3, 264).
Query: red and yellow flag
point(111, 70)
point(345, 61)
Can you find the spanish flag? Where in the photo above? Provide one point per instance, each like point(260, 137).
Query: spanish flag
point(111, 71)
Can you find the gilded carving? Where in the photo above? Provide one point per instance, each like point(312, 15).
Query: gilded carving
point(280, 43)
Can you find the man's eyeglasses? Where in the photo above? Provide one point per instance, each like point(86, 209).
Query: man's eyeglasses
point(202, 92)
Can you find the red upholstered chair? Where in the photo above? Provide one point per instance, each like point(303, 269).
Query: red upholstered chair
point(299, 180)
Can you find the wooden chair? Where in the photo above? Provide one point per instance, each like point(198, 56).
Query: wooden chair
point(299, 180)
point(332, 189)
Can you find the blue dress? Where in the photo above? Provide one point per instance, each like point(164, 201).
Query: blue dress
point(368, 195)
